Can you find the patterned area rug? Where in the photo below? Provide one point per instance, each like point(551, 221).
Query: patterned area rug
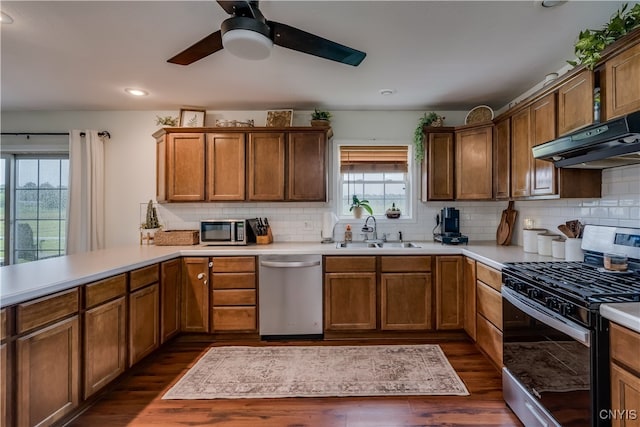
point(323, 371)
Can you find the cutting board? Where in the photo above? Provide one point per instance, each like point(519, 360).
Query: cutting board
point(506, 226)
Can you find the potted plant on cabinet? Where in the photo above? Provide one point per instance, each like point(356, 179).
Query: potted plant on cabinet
point(428, 119)
point(320, 118)
point(358, 205)
point(166, 121)
point(150, 224)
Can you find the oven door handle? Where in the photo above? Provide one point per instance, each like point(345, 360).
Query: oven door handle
point(547, 317)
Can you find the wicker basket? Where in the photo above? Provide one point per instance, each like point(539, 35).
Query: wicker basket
point(177, 238)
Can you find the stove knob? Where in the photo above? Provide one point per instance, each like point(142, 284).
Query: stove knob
point(567, 309)
point(551, 303)
point(533, 293)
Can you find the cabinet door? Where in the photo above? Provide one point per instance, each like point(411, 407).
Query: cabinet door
point(185, 167)
point(225, 166)
point(575, 103)
point(266, 166)
point(306, 166)
point(449, 293)
point(48, 381)
point(405, 301)
point(350, 301)
point(543, 129)
point(474, 163)
point(625, 396)
point(161, 168)
point(502, 159)
point(144, 322)
point(437, 173)
point(195, 295)
point(469, 278)
point(520, 153)
point(169, 299)
point(621, 83)
point(105, 344)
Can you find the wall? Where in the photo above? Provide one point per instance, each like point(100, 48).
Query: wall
point(130, 175)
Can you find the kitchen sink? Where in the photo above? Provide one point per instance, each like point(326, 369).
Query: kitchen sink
point(376, 245)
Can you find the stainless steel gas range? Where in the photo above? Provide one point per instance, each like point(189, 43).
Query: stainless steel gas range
point(556, 344)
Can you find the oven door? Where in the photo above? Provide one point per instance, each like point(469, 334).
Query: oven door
point(550, 358)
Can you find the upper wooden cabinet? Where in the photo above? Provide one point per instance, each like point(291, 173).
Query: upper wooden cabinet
point(620, 86)
point(575, 102)
point(520, 153)
point(474, 162)
point(502, 159)
point(236, 164)
point(266, 166)
point(225, 166)
point(543, 129)
point(437, 165)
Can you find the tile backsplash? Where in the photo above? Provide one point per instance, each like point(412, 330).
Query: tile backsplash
point(619, 205)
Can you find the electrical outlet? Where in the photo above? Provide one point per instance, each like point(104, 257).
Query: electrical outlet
point(308, 225)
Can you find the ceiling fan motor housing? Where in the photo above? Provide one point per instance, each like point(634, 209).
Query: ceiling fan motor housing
point(247, 38)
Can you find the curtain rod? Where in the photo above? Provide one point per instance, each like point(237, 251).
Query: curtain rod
point(28, 134)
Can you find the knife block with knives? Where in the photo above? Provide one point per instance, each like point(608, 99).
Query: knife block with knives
point(262, 230)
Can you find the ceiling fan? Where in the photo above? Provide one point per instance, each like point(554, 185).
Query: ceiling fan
point(248, 34)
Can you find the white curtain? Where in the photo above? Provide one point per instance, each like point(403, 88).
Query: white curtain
point(85, 211)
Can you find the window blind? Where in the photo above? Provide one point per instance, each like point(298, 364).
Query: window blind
point(372, 159)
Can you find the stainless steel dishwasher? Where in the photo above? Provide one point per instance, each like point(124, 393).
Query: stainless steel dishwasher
point(290, 296)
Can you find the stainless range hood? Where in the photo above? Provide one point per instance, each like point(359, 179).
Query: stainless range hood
point(599, 146)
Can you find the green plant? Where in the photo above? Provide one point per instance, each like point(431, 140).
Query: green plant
point(418, 136)
point(151, 219)
point(357, 203)
point(591, 43)
point(320, 115)
point(166, 121)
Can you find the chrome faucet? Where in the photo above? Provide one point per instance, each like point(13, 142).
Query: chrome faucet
point(367, 229)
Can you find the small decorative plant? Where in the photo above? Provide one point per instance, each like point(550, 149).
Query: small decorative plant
point(358, 205)
point(151, 220)
point(166, 121)
point(591, 43)
point(428, 119)
point(320, 115)
point(393, 212)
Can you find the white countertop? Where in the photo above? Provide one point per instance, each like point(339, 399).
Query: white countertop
point(626, 314)
point(22, 282)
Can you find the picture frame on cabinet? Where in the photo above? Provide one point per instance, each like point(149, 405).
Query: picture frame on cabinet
point(192, 118)
point(279, 118)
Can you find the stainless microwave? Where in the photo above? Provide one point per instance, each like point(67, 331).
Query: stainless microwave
point(223, 232)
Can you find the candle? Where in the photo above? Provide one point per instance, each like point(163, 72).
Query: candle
point(528, 223)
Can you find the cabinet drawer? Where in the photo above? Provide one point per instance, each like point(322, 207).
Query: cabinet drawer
point(234, 264)
point(489, 304)
point(489, 339)
point(234, 281)
point(105, 290)
point(45, 310)
point(144, 276)
point(234, 297)
point(490, 276)
point(349, 263)
point(234, 318)
point(3, 324)
point(624, 346)
point(405, 263)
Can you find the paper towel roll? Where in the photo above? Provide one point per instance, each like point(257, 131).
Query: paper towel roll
point(329, 220)
point(530, 239)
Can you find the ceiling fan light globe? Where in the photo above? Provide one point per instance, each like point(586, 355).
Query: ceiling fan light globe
point(247, 44)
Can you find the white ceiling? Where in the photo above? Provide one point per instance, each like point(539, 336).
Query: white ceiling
point(448, 55)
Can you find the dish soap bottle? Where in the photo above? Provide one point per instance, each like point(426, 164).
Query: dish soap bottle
point(348, 235)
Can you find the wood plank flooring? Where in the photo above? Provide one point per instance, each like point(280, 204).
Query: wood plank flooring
point(136, 399)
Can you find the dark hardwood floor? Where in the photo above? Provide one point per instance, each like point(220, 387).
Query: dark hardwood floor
point(137, 399)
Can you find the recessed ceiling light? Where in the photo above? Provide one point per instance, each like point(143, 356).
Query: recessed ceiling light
point(5, 19)
point(136, 92)
point(387, 92)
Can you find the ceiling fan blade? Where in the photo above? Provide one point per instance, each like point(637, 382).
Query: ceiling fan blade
point(205, 47)
point(239, 8)
point(293, 38)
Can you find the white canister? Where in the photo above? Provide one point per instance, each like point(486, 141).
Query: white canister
point(530, 239)
point(573, 250)
point(544, 243)
point(557, 248)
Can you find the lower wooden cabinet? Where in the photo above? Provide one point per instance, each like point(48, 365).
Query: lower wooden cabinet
point(625, 376)
point(48, 373)
point(489, 339)
point(449, 293)
point(144, 322)
point(405, 301)
point(195, 295)
point(233, 280)
point(469, 291)
point(169, 299)
point(105, 344)
point(350, 301)
point(5, 387)
point(489, 312)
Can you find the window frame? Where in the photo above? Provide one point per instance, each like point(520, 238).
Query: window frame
point(412, 181)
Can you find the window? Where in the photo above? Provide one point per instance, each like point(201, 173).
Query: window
point(377, 173)
point(37, 206)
